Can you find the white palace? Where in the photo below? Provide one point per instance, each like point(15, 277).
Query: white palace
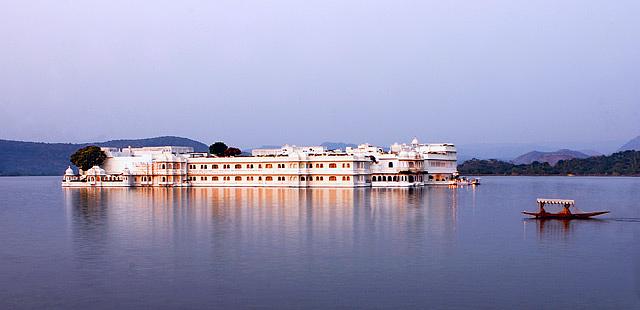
point(404, 165)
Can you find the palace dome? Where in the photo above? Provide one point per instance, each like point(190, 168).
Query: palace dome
point(69, 171)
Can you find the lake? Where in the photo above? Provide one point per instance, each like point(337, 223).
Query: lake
point(281, 248)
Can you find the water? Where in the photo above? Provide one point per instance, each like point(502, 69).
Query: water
point(227, 248)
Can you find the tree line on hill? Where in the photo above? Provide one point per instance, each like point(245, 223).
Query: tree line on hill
point(621, 163)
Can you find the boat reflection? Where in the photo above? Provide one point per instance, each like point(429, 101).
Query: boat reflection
point(557, 228)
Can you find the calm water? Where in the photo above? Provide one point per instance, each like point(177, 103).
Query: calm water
point(321, 248)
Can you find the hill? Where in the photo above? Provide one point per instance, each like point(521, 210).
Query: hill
point(621, 163)
point(337, 145)
point(633, 144)
point(37, 158)
point(548, 157)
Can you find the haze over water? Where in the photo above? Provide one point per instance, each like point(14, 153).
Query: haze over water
point(433, 247)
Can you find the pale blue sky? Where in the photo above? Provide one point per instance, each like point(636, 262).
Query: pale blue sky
point(271, 72)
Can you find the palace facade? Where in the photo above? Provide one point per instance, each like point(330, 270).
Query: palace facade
point(404, 165)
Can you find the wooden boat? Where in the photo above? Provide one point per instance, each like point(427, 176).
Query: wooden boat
point(564, 214)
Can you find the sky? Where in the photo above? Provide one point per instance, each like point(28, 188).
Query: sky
point(254, 73)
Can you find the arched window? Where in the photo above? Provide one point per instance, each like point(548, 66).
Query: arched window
point(390, 164)
point(268, 178)
point(374, 179)
point(162, 166)
point(238, 178)
point(333, 165)
point(301, 178)
point(238, 166)
point(214, 167)
point(332, 178)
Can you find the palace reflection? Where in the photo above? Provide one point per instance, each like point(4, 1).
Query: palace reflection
point(227, 219)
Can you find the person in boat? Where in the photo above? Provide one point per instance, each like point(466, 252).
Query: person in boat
point(542, 211)
point(565, 211)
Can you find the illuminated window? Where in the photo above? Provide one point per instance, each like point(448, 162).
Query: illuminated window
point(332, 178)
point(333, 165)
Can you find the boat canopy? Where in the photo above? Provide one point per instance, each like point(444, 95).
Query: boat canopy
point(556, 201)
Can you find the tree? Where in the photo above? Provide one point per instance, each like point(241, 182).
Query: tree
point(232, 151)
point(88, 157)
point(218, 148)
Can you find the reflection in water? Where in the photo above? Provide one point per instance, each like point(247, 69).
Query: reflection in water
point(551, 228)
point(224, 219)
point(231, 248)
point(557, 228)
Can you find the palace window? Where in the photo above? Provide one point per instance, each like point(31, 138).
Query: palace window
point(238, 178)
point(214, 166)
point(268, 166)
point(214, 178)
point(162, 166)
point(301, 178)
point(268, 178)
point(333, 165)
point(332, 178)
point(390, 165)
point(238, 166)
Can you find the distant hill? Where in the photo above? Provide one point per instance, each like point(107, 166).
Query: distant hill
point(633, 144)
point(338, 145)
point(591, 152)
point(548, 157)
point(621, 163)
point(36, 158)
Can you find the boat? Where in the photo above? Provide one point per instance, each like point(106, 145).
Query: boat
point(565, 214)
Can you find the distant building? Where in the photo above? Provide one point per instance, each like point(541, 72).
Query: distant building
point(405, 165)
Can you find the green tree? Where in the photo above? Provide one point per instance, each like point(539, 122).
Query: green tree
point(232, 151)
point(88, 157)
point(218, 148)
